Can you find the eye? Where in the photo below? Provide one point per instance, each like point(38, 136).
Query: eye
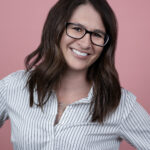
point(97, 35)
point(78, 29)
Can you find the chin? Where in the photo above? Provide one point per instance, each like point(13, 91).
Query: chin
point(77, 68)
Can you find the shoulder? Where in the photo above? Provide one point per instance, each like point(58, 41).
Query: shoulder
point(127, 97)
point(15, 78)
point(14, 75)
point(127, 102)
point(12, 83)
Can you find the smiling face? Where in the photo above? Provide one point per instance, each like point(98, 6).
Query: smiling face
point(81, 53)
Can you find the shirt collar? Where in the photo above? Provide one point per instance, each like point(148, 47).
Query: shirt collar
point(87, 99)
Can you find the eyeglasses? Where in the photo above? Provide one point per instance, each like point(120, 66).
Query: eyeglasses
point(77, 31)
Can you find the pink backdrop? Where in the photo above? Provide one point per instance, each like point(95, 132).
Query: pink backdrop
point(20, 30)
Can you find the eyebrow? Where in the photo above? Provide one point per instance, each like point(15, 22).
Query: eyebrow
point(95, 30)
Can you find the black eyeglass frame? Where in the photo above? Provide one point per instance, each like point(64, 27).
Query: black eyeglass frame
point(106, 36)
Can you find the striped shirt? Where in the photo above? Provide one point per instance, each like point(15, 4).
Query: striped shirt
point(34, 129)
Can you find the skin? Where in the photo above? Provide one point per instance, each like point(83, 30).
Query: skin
point(74, 85)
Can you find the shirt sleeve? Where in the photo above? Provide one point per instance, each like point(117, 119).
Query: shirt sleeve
point(3, 111)
point(135, 127)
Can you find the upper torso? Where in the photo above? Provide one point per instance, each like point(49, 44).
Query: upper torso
point(34, 129)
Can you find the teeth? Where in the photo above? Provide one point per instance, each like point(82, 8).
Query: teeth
point(79, 53)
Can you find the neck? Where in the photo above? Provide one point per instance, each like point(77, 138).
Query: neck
point(73, 86)
point(74, 79)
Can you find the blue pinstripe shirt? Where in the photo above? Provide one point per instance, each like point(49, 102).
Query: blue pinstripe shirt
point(32, 129)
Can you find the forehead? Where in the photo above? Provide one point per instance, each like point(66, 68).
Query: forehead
point(87, 15)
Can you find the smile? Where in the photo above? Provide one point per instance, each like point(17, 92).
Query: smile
point(79, 53)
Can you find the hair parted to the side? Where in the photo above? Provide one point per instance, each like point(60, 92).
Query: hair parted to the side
point(46, 64)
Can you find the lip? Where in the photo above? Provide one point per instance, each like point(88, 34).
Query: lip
point(81, 51)
point(79, 56)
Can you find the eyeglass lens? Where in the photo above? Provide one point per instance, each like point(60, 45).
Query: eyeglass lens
point(78, 32)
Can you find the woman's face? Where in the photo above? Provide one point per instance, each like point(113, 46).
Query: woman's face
point(79, 54)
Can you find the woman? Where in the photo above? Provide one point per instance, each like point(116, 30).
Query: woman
point(69, 97)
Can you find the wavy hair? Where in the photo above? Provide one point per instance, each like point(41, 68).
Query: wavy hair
point(46, 64)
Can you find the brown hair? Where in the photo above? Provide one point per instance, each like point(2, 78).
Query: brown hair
point(46, 63)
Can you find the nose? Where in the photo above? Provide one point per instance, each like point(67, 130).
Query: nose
point(85, 42)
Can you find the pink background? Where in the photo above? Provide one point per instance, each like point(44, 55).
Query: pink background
point(21, 24)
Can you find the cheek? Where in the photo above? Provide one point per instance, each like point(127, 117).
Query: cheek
point(97, 54)
point(98, 51)
point(65, 41)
